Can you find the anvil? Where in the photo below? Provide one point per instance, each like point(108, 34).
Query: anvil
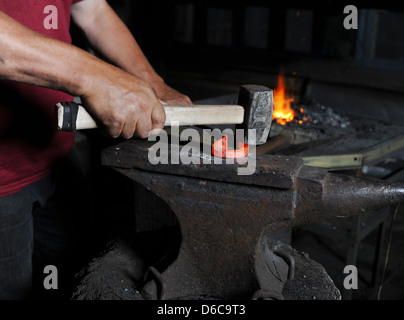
point(225, 218)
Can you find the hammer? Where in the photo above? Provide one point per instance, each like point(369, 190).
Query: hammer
point(254, 111)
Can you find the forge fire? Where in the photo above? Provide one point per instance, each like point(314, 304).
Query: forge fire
point(283, 112)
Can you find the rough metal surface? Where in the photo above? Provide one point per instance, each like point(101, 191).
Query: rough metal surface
point(117, 274)
point(271, 170)
point(220, 226)
point(114, 275)
point(258, 103)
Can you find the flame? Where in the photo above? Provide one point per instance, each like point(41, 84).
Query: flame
point(282, 113)
point(220, 148)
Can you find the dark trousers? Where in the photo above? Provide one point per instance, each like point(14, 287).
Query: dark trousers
point(42, 225)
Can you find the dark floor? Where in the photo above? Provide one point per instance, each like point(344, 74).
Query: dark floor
point(332, 252)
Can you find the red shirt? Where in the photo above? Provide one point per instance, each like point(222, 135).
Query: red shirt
point(30, 144)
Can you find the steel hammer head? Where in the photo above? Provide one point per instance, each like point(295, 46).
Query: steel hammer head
point(257, 101)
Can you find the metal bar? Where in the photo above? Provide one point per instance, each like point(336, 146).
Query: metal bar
point(374, 154)
point(348, 161)
point(335, 162)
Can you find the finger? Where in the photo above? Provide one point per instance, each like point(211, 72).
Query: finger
point(143, 127)
point(186, 100)
point(180, 100)
point(128, 130)
point(155, 132)
point(112, 129)
point(158, 116)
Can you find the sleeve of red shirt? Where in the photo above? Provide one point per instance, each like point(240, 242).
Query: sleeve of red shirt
point(31, 147)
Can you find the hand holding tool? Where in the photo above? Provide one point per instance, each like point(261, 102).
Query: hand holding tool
point(254, 111)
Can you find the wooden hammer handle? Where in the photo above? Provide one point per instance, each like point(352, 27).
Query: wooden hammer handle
point(72, 116)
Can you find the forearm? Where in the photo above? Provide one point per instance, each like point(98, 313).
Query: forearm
point(109, 35)
point(124, 104)
point(29, 57)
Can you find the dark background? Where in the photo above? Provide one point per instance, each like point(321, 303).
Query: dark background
point(206, 48)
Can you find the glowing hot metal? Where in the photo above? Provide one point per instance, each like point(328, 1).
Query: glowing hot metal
point(220, 148)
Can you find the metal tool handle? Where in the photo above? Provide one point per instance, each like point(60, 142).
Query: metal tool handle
point(72, 116)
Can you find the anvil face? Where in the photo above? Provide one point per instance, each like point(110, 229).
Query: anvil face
point(270, 170)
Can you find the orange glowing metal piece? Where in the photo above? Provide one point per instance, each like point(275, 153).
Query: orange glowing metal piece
point(283, 113)
point(220, 148)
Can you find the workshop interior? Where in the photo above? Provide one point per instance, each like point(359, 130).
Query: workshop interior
point(319, 219)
